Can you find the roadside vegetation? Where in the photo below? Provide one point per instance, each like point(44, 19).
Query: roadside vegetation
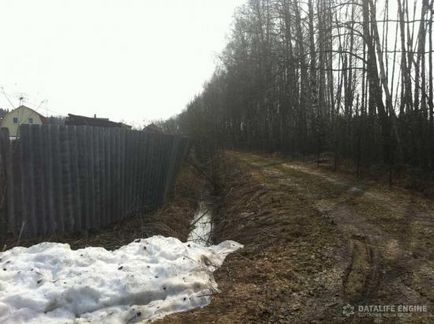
point(349, 79)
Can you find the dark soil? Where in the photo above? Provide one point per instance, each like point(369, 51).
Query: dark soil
point(315, 241)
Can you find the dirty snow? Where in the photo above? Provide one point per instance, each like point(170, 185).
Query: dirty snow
point(144, 280)
point(201, 231)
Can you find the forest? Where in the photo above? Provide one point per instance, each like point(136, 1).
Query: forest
point(353, 79)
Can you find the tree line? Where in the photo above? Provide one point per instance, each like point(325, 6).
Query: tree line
point(351, 78)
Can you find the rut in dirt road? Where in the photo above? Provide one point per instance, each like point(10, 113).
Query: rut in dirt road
point(388, 232)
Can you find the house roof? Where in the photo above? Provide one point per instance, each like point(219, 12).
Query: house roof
point(43, 118)
point(78, 120)
point(152, 128)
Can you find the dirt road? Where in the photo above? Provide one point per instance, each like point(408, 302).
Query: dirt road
point(316, 241)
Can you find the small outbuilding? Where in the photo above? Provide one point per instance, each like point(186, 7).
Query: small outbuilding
point(19, 116)
point(77, 120)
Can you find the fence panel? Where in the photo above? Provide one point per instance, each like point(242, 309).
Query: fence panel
point(76, 178)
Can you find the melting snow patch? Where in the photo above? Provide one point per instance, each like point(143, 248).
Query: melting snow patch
point(144, 280)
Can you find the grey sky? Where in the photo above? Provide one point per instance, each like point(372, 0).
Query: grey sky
point(131, 60)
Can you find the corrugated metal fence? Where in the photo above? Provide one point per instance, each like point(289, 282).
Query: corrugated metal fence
point(74, 178)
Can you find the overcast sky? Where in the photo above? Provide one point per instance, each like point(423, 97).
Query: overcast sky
point(130, 60)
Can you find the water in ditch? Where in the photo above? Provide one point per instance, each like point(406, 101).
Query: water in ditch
point(202, 225)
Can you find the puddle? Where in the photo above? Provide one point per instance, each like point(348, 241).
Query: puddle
point(202, 225)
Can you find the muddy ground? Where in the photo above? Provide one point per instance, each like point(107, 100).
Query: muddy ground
point(314, 242)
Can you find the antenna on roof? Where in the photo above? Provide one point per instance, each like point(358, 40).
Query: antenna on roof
point(21, 98)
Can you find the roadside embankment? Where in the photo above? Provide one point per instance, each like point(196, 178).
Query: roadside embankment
point(288, 269)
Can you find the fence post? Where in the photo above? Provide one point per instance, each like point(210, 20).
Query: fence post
point(4, 168)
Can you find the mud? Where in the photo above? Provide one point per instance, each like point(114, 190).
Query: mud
point(316, 241)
